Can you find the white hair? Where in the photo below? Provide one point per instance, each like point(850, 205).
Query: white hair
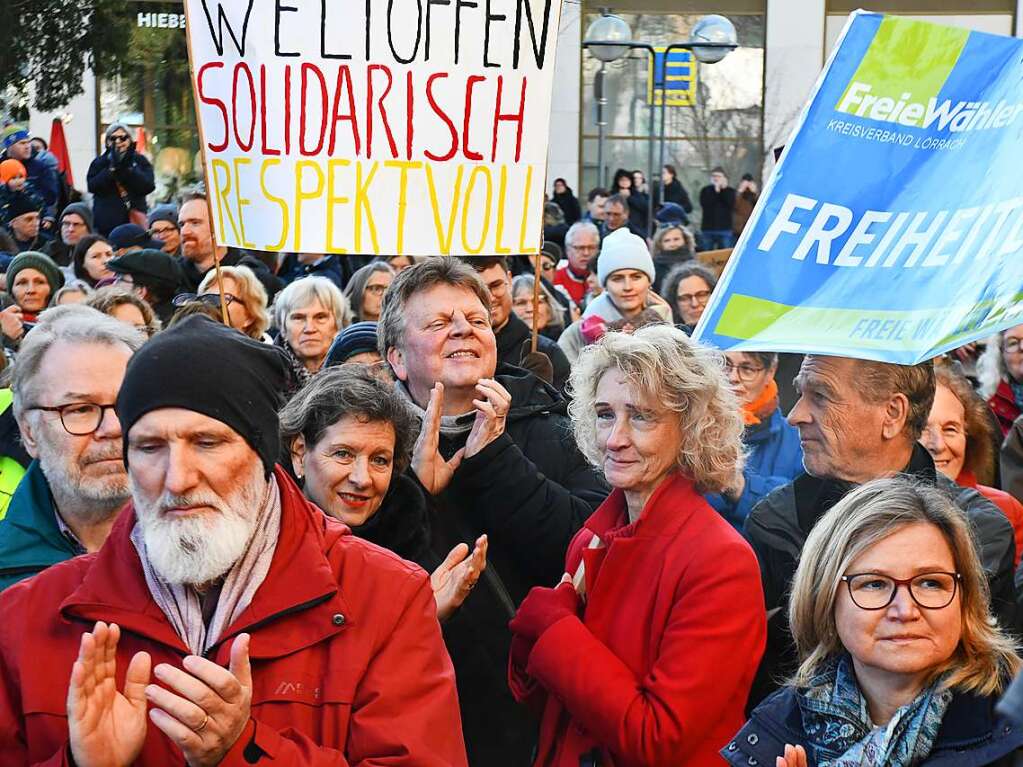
point(303, 292)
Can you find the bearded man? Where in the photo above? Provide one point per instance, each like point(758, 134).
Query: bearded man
point(65, 381)
point(272, 635)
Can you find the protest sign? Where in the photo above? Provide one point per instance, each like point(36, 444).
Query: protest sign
point(892, 228)
point(412, 127)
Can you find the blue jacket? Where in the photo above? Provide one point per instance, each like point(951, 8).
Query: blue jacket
point(30, 540)
point(775, 458)
point(971, 734)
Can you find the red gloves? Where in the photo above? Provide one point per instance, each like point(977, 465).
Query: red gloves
point(541, 609)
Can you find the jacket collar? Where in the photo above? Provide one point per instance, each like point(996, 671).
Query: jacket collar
point(511, 337)
point(814, 495)
point(295, 607)
point(666, 511)
point(29, 535)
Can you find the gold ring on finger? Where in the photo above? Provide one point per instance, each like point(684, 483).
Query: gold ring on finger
point(202, 726)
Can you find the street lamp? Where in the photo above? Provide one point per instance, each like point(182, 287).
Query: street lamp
point(609, 38)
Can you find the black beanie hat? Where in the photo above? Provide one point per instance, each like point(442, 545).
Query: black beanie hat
point(209, 368)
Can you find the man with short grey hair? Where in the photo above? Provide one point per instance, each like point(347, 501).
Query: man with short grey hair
point(582, 243)
point(66, 378)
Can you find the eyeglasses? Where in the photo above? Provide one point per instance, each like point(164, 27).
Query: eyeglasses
point(68, 224)
point(745, 371)
point(525, 301)
point(498, 288)
point(78, 418)
point(700, 297)
point(210, 299)
point(376, 290)
point(1012, 345)
point(163, 230)
point(584, 248)
point(120, 138)
point(931, 591)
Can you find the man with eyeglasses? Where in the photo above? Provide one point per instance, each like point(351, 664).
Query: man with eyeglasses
point(151, 274)
point(163, 226)
point(69, 371)
point(513, 335)
point(75, 223)
point(859, 420)
point(582, 244)
point(119, 180)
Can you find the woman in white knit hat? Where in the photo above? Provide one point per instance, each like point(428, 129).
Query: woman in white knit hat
point(625, 270)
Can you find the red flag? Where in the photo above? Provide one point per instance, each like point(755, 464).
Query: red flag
point(140, 140)
point(58, 145)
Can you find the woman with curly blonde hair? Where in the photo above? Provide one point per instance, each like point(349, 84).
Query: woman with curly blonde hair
point(901, 661)
point(245, 297)
point(645, 652)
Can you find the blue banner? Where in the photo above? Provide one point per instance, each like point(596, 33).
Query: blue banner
point(892, 227)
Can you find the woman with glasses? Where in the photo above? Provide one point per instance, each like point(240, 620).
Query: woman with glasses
point(687, 289)
point(365, 290)
point(959, 436)
point(901, 662)
point(89, 261)
point(774, 456)
point(551, 319)
point(119, 180)
point(1000, 375)
point(245, 297)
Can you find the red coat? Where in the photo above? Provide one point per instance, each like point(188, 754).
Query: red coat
point(1003, 405)
point(658, 669)
point(348, 664)
point(1011, 508)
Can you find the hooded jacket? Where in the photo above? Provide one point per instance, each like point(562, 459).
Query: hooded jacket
point(348, 667)
point(30, 540)
point(778, 527)
point(971, 734)
point(600, 311)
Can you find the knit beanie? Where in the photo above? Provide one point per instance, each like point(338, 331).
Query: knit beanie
point(357, 338)
point(79, 209)
point(208, 368)
point(42, 263)
point(623, 250)
point(11, 169)
point(12, 134)
point(168, 213)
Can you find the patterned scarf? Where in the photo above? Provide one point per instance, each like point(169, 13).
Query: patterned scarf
point(837, 721)
point(182, 604)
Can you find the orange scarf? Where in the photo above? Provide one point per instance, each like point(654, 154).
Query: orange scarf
point(762, 407)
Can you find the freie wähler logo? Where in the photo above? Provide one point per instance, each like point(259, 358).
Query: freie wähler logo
point(902, 74)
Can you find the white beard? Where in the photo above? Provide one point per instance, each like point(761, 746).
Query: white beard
point(200, 548)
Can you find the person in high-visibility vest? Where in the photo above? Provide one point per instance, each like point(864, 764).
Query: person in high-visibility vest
point(13, 458)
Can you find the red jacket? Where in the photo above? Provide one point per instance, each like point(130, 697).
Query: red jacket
point(658, 669)
point(572, 283)
point(1003, 405)
point(1011, 508)
point(348, 664)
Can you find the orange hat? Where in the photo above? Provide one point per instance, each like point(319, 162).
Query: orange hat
point(11, 169)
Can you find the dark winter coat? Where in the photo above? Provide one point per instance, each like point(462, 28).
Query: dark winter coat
point(676, 193)
point(329, 267)
point(118, 185)
point(192, 277)
point(569, 205)
point(43, 179)
point(971, 734)
point(717, 208)
point(530, 490)
point(402, 524)
point(515, 333)
point(778, 527)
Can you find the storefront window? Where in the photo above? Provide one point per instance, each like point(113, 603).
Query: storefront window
point(724, 126)
point(153, 96)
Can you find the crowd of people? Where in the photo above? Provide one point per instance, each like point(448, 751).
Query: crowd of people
point(315, 509)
